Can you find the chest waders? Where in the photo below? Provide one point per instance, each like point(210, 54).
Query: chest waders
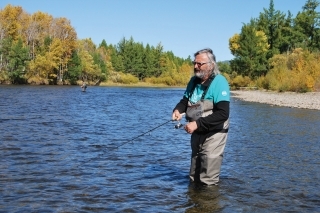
point(201, 108)
point(207, 148)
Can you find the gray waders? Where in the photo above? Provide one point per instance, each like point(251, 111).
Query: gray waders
point(207, 155)
point(207, 148)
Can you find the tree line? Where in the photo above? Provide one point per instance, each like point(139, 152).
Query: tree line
point(278, 51)
point(275, 51)
point(40, 49)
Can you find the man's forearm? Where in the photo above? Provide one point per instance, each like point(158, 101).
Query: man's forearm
point(216, 119)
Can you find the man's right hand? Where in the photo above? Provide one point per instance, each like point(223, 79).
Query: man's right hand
point(176, 116)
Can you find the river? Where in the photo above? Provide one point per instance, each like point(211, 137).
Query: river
point(114, 149)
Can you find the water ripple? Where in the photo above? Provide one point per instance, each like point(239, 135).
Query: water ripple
point(67, 151)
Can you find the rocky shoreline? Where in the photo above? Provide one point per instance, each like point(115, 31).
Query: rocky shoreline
point(310, 100)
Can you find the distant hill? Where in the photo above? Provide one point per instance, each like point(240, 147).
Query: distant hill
point(225, 62)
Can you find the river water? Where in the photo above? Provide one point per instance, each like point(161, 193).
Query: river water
point(63, 150)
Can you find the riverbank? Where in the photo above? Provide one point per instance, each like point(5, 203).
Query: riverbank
point(310, 100)
point(139, 84)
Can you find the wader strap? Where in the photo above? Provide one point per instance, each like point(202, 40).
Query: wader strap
point(205, 91)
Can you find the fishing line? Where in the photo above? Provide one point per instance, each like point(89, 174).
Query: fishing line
point(142, 134)
point(179, 125)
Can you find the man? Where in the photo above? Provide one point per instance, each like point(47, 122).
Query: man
point(84, 86)
point(206, 103)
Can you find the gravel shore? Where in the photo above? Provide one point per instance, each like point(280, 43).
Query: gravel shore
point(310, 100)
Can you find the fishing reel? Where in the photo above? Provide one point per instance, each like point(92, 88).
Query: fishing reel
point(179, 125)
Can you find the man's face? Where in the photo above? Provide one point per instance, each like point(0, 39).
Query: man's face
point(202, 66)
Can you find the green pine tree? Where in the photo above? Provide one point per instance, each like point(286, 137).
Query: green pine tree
point(250, 59)
point(272, 23)
point(307, 26)
point(18, 57)
point(74, 68)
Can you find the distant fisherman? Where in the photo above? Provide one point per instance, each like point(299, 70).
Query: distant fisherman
point(84, 86)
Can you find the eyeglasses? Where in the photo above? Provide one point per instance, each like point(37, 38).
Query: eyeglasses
point(198, 63)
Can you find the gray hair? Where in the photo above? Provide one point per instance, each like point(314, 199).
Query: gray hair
point(211, 57)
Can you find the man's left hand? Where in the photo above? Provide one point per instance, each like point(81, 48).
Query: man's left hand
point(191, 127)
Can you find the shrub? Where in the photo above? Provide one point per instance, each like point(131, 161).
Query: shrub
point(38, 81)
point(262, 82)
point(128, 79)
point(4, 77)
point(240, 81)
point(115, 77)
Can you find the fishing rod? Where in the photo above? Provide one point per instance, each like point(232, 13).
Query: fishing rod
point(177, 126)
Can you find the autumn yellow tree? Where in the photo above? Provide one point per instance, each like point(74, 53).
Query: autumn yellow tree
point(10, 21)
point(90, 70)
point(297, 72)
point(61, 29)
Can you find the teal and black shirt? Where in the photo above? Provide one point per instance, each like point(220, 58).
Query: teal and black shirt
point(218, 92)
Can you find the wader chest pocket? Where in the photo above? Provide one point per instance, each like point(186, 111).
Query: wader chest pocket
point(194, 111)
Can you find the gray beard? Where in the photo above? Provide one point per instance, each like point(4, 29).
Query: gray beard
point(200, 74)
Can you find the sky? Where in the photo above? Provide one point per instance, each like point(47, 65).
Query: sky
point(181, 26)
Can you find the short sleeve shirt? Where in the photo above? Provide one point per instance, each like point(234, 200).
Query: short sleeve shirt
point(218, 91)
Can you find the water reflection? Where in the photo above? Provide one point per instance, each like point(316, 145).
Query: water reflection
point(204, 198)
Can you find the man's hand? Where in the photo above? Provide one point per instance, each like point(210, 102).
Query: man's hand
point(191, 127)
point(176, 116)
